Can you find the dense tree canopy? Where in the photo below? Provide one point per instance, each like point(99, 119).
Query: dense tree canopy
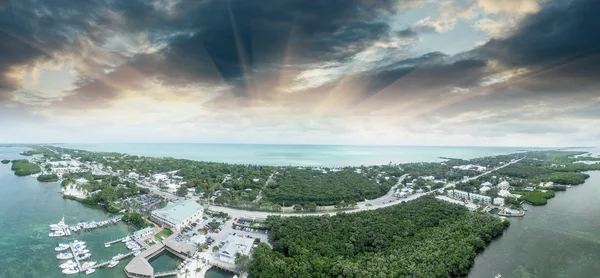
point(48, 178)
point(23, 167)
point(303, 186)
point(422, 238)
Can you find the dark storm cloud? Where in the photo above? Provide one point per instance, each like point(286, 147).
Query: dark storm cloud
point(35, 30)
point(560, 43)
point(242, 37)
point(235, 42)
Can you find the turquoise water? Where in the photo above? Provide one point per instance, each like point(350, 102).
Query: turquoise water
point(26, 210)
point(560, 239)
point(298, 155)
point(165, 261)
point(217, 273)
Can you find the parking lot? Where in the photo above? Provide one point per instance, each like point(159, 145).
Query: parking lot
point(221, 232)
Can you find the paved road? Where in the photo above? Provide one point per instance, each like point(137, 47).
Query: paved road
point(362, 206)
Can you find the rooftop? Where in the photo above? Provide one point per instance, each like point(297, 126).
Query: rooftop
point(179, 211)
point(237, 244)
point(142, 231)
point(139, 265)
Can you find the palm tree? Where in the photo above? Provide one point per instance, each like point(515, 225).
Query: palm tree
point(187, 272)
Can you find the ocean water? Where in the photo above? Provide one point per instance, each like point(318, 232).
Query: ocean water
point(559, 239)
point(27, 208)
point(299, 155)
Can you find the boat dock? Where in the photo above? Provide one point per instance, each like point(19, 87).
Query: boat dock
point(116, 240)
point(165, 273)
point(75, 257)
point(61, 229)
point(94, 225)
point(108, 262)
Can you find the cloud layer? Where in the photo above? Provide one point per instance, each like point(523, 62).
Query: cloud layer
point(469, 72)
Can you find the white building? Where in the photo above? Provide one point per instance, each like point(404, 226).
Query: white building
point(504, 185)
point(484, 189)
point(178, 215)
point(499, 201)
point(81, 181)
point(428, 178)
point(143, 232)
point(459, 194)
point(487, 183)
point(233, 245)
point(160, 177)
point(133, 175)
point(471, 207)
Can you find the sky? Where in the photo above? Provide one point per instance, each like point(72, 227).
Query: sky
point(361, 72)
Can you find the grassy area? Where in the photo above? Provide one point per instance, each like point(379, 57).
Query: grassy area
point(22, 167)
point(536, 198)
point(149, 242)
point(164, 233)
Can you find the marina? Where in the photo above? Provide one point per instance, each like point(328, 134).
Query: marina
point(61, 229)
point(78, 252)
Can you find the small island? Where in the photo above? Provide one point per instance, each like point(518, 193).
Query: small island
point(47, 178)
point(22, 167)
point(5, 161)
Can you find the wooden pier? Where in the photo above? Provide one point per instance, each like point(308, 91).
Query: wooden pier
point(108, 262)
point(165, 273)
point(116, 240)
point(75, 257)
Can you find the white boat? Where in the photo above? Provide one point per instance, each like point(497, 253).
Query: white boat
point(113, 264)
point(61, 225)
point(61, 247)
point(69, 271)
point(64, 256)
point(56, 234)
point(82, 251)
point(137, 252)
point(569, 186)
point(77, 241)
point(68, 264)
point(84, 256)
point(117, 257)
point(90, 271)
point(498, 276)
point(88, 265)
point(107, 245)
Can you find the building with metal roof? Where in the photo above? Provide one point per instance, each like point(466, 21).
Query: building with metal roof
point(178, 215)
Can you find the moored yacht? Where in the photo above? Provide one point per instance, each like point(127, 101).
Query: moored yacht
point(61, 225)
point(84, 256)
point(56, 233)
point(68, 264)
point(64, 256)
point(69, 271)
point(88, 265)
point(61, 247)
point(90, 271)
point(113, 264)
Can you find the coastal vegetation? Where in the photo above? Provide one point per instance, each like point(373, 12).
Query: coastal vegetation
point(47, 178)
point(306, 186)
point(536, 198)
point(136, 220)
point(22, 167)
point(422, 238)
point(5, 161)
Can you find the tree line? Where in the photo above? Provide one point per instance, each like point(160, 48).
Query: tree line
point(423, 238)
